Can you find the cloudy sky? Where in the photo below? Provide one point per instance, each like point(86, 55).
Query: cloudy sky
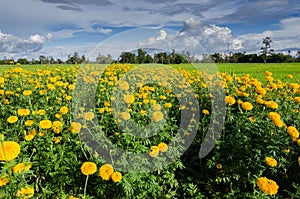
point(29, 28)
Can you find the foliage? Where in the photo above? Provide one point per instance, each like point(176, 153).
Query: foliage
point(59, 164)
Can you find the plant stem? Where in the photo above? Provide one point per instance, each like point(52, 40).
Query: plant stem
point(84, 192)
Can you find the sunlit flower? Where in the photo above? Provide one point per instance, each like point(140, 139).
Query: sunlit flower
point(157, 116)
point(12, 119)
point(75, 127)
point(27, 92)
point(88, 168)
point(154, 151)
point(45, 124)
point(106, 171)
point(116, 176)
point(229, 100)
point(9, 150)
point(3, 180)
point(163, 147)
point(271, 161)
point(267, 186)
point(26, 192)
point(24, 166)
point(247, 106)
point(64, 110)
point(88, 116)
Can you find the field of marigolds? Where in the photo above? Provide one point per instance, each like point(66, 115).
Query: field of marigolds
point(105, 132)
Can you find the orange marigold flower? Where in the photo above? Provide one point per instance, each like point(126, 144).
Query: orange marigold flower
point(45, 124)
point(247, 106)
point(106, 171)
point(9, 150)
point(88, 168)
point(116, 176)
point(230, 100)
point(12, 119)
point(271, 161)
point(24, 166)
point(293, 132)
point(267, 186)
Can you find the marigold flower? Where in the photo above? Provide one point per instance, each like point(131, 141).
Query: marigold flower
point(106, 171)
point(88, 168)
point(57, 127)
point(23, 112)
point(205, 112)
point(75, 127)
point(45, 124)
point(116, 176)
point(267, 186)
point(271, 161)
point(163, 147)
point(3, 180)
point(64, 110)
point(168, 105)
point(29, 122)
point(26, 192)
point(29, 137)
point(128, 99)
point(24, 166)
point(271, 104)
point(219, 166)
point(124, 86)
point(9, 150)
point(125, 115)
point(247, 106)
point(88, 116)
point(27, 92)
point(293, 132)
point(157, 116)
point(297, 99)
point(229, 100)
point(154, 151)
point(12, 119)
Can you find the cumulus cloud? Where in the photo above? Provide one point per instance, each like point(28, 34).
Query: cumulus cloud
point(196, 36)
point(12, 44)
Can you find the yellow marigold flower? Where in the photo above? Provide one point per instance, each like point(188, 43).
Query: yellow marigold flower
point(157, 107)
point(9, 150)
point(128, 99)
point(50, 86)
point(12, 119)
point(24, 166)
point(124, 86)
point(41, 112)
point(45, 124)
point(260, 101)
point(294, 86)
point(268, 73)
point(271, 104)
point(68, 97)
point(205, 112)
point(29, 137)
point(125, 115)
point(297, 99)
point(157, 116)
point(163, 147)
point(168, 105)
point(293, 132)
point(271, 161)
point(71, 87)
point(3, 180)
point(267, 186)
point(252, 119)
point(88, 116)
point(247, 106)
point(57, 127)
point(23, 112)
point(143, 112)
point(64, 110)
point(75, 127)
point(27, 92)
point(229, 100)
point(43, 91)
point(290, 76)
point(29, 123)
point(274, 116)
point(154, 151)
point(260, 90)
point(279, 123)
point(116, 176)
point(219, 166)
point(106, 171)
point(26, 192)
point(2, 80)
point(88, 168)
point(269, 78)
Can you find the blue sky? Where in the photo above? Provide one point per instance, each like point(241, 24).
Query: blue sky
point(30, 28)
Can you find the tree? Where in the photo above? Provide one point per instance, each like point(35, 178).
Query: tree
point(102, 59)
point(266, 50)
point(127, 57)
point(42, 59)
point(141, 57)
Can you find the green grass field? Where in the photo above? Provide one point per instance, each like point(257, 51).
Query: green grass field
point(256, 70)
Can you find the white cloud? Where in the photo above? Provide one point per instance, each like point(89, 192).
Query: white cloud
point(12, 44)
point(196, 36)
